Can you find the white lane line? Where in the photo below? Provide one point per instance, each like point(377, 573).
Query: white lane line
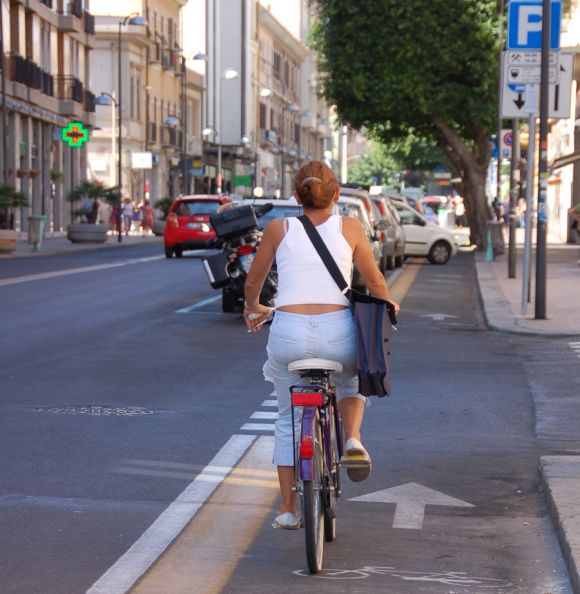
point(199, 304)
point(46, 275)
point(264, 415)
point(257, 427)
point(153, 542)
point(270, 403)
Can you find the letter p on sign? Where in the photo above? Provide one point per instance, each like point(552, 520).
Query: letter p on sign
point(525, 24)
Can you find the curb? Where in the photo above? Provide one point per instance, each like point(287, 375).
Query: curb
point(497, 310)
point(84, 248)
point(560, 476)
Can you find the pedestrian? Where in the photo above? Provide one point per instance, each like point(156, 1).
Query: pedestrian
point(127, 212)
point(313, 317)
point(147, 217)
point(460, 212)
point(114, 218)
point(574, 214)
point(521, 212)
point(136, 217)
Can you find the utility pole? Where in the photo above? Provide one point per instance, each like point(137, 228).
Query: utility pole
point(540, 304)
point(3, 91)
point(514, 193)
point(499, 122)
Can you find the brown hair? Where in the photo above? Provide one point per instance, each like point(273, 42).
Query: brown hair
point(315, 184)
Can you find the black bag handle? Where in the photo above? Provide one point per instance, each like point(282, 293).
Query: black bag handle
point(325, 254)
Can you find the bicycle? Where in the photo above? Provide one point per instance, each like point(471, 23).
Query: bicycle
point(317, 453)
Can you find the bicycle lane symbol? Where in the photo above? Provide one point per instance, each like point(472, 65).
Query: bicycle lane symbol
point(448, 578)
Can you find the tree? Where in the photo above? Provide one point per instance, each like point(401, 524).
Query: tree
point(422, 67)
point(376, 167)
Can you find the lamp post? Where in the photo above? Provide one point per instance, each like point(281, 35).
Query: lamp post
point(227, 74)
point(132, 19)
point(173, 120)
point(3, 91)
point(291, 108)
point(107, 100)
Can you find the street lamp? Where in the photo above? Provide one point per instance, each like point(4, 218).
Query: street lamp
point(132, 19)
point(227, 74)
point(173, 121)
point(291, 108)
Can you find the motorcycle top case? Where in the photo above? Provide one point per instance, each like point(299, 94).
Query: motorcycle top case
point(216, 269)
point(236, 221)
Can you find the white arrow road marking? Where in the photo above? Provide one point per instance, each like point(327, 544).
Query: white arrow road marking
point(437, 317)
point(45, 275)
point(411, 500)
point(139, 558)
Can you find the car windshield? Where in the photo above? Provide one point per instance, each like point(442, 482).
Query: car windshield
point(189, 208)
point(280, 212)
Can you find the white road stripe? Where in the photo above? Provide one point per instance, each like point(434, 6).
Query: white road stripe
point(139, 558)
point(199, 304)
point(264, 415)
point(394, 275)
point(257, 427)
point(270, 403)
point(46, 275)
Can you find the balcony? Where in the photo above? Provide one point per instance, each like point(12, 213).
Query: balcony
point(47, 3)
point(69, 20)
point(89, 101)
point(171, 137)
point(89, 21)
point(71, 94)
point(169, 60)
point(268, 138)
point(25, 71)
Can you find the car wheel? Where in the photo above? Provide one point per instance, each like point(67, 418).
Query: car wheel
point(383, 264)
point(178, 253)
point(390, 262)
point(439, 253)
point(168, 252)
point(399, 261)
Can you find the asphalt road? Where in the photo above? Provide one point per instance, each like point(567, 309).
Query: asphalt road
point(113, 405)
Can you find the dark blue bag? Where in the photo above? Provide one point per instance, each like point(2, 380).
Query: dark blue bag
point(375, 323)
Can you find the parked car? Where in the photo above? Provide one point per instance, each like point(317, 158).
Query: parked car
point(282, 208)
point(413, 197)
point(430, 241)
point(365, 197)
point(393, 236)
point(430, 215)
point(352, 207)
point(187, 226)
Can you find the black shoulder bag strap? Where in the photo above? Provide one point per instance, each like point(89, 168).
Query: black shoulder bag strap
point(325, 255)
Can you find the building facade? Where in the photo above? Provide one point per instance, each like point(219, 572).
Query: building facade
point(161, 102)
point(46, 46)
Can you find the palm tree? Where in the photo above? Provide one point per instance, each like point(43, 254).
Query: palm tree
point(10, 199)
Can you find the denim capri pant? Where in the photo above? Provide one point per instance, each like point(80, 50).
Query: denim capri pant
point(298, 336)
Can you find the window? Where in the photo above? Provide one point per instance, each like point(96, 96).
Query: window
point(263, 116)
point(132, 98)
point(272, 122)
point(287, 73)
point(297, 133)
point(276, 65)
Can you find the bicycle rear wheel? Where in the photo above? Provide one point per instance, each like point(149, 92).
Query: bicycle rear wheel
point(333, 479)
point(313, 508)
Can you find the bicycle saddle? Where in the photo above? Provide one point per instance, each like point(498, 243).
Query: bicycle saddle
point(312, 364)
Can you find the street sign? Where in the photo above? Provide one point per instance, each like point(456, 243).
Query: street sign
point(520, 99)
point(75, 134)
point(525, 24)
point(506, 144)
point(142, 160)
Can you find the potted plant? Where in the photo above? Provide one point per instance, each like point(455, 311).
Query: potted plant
point(56, 175)
point(88, 229)
point(163, 205)
point(9, 199)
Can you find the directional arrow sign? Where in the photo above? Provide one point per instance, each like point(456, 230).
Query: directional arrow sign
point(437, 317)
point(411, 500)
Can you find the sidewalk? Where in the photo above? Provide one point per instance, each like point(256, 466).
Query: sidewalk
point(502, 303)
point(53, 246)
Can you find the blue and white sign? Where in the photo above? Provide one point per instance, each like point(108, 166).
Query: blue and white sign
point(525, 24)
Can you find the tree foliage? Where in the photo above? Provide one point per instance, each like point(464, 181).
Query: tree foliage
point(426, 67)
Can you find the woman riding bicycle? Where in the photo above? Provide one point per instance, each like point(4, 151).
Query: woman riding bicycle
point(313, 318)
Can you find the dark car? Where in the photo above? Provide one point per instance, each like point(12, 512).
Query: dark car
point(188, 227)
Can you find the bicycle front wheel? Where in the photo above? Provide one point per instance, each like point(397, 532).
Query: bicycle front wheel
point(313, 510)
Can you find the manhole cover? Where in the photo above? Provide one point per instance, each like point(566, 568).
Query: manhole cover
point(105, 411)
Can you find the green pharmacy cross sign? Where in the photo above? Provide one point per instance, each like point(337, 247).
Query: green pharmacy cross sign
point(75, 134)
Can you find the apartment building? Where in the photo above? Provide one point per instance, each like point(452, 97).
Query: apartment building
point(161, 101)
point(46, 45)
point(263, 110)
point(564, 183)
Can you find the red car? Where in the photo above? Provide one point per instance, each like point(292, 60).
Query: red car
point(187, 226)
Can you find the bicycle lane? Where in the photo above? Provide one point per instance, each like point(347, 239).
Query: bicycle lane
point(453, 504)
point(229, 503)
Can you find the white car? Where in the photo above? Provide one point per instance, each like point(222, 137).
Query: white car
point(430, 241)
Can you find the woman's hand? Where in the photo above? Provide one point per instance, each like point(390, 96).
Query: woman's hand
point(256, 316)
point(395, 304)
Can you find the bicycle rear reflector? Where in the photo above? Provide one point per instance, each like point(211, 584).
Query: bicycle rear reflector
point(307, 448)
point(307, 399)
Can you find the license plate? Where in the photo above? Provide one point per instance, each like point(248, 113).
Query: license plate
point(246, 262)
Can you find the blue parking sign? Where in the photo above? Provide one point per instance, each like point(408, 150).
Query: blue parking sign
point(525, 24)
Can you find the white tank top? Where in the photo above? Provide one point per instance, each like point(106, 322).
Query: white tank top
point(302, 276)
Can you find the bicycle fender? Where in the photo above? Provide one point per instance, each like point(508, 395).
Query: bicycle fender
point(308, 428)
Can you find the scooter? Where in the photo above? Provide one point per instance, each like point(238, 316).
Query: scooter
point(238, 237)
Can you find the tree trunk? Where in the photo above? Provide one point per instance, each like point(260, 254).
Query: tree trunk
point(472, 163)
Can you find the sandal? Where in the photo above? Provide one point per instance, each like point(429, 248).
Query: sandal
point(356, 460)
